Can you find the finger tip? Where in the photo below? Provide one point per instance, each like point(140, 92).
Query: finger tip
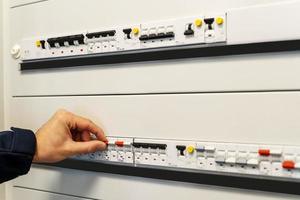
point(103, 145)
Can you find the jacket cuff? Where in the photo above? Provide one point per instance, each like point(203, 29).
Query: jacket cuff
point(24, 141)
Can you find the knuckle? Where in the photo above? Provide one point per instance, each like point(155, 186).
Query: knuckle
point(61, 113)
point(89, 126)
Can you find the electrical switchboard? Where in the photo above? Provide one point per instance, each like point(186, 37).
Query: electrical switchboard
point(248, 159)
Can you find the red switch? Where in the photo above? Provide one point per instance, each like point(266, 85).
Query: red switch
point(106, 142)
point(119, 143)
point(288, 164)
point(264, 152)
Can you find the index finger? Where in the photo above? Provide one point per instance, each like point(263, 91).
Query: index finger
point(82, 124)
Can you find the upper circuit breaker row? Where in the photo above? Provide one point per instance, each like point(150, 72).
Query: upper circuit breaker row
point(174, 32)
point(248, 159)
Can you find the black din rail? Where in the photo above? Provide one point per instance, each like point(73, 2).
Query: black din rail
point(155, 54)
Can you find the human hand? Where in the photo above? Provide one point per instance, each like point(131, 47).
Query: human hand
point(65, 135)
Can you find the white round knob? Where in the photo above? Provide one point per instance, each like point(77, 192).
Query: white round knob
point(16, 51)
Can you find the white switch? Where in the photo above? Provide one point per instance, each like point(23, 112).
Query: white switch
point(241, 160)
point(297, 165)
point(276, 152)
point(253, 162)
point(220, 157)
point(66, 44)
point(230, 160)
point(210, 148)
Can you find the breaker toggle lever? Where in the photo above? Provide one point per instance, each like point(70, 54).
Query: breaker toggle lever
point(181, 149)
point(288, 164)
point(264, 152)
point(189, 30)
point(119, 143)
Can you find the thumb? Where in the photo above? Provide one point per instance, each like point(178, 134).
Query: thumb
point(87, 147)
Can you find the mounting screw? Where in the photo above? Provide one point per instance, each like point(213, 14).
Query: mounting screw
point(16, 51)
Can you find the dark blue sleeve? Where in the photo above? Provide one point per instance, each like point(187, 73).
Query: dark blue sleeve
point(17, 148)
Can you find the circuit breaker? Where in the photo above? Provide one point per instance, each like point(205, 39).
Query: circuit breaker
point(199, 30)
point(231, 32)
point(244, 159)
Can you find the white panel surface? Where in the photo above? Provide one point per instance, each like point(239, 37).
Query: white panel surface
point(28, 194)
point(2, 187)
point(112, 187)
point(243, 27)
point(270, 118)
point(260, 72)
point(263, 72)
point(264, 23)
point(253, 117)
point(1, 68)
point(17, 3)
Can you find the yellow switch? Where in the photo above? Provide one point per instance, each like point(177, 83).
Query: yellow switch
point(135, 31)
point(220, 20)
point(38, 43)
point(198, 22)
point(190, 149)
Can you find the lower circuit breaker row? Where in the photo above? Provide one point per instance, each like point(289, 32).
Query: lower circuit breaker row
point(253, 159)
point(174, 32)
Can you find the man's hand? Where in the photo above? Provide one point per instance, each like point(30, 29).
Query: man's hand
point(65, 135)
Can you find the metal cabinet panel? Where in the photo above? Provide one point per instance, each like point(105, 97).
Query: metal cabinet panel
point(270, 118)
point(111, 187)
point(20, 193)
point(17, 3)
point(237, 73)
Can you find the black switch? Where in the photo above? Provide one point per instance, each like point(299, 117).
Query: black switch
point(189, 30)
point(71, 40)
point(43, 42)
point(152, 36)
point(80, 38)
point(181, 148)
point(209, 22)
point(144, 37)
point(61, 41)
point(161, 35)
point(127, 32)
point(170, 35)
point(51, 42)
